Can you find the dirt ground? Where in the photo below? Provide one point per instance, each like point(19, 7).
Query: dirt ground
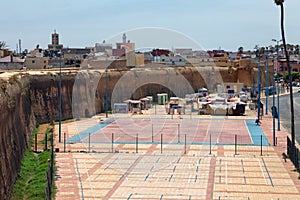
point(40, 137)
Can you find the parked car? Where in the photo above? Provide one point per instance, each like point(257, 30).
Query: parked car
point(295, 83)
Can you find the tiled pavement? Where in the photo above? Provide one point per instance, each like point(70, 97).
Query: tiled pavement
point(226, 173)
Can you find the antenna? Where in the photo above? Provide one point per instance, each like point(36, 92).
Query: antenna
point(20, 49)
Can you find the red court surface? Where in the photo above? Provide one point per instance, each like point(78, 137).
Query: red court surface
point(173, 131)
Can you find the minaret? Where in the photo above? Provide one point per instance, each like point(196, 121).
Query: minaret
point(55, 42)
point(55, 38)
point(124, 38)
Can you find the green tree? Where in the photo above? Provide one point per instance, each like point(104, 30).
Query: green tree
point(259, 50)
point(295, 75)
point(46, 53)
point(278, 76)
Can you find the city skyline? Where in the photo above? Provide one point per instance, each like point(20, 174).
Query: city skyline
point(212, 25)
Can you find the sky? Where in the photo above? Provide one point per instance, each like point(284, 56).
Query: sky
point(210, 24)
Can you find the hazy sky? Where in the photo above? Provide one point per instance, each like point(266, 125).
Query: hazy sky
point(212, 23)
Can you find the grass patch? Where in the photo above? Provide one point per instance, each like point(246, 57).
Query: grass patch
point(31, 182)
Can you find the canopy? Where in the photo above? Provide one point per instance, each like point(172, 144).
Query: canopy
point(144, 99)
point(202, 90)
point(135, 101)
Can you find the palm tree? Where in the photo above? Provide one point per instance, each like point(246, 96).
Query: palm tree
point(296, 49)
point(2, 45)
point(280, 3)
point(262, 50)
point(290, 48)
point(272, 49)
point(240, 49)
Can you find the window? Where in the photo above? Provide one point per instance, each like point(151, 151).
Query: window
point(33, 61)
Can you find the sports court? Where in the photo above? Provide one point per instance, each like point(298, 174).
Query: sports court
point(173, 131)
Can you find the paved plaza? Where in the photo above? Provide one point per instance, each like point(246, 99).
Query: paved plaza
point(173, 157)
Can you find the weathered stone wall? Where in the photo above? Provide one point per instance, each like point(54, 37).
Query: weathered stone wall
point(44, 93)
point(11, 66)
point(83, 93)
point(17, 123)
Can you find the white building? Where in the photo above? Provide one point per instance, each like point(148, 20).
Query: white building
point(173, 60)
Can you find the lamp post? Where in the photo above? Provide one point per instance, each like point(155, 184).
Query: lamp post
point(273, 107)
point(60, 99)
point(106, 92)
point(258, 85)
point(278, 86)
point(267, 79)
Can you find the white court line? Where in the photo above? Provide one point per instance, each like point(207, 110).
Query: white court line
point(248, 131)
point(226, 173)
point(157, 179)
point(123, 171)
point(189, 178)
point(262, 171)
point(89, 179)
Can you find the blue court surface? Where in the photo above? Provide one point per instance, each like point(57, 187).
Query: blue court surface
point(256, 133)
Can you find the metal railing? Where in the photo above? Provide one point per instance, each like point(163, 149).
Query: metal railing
point(49, 173)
